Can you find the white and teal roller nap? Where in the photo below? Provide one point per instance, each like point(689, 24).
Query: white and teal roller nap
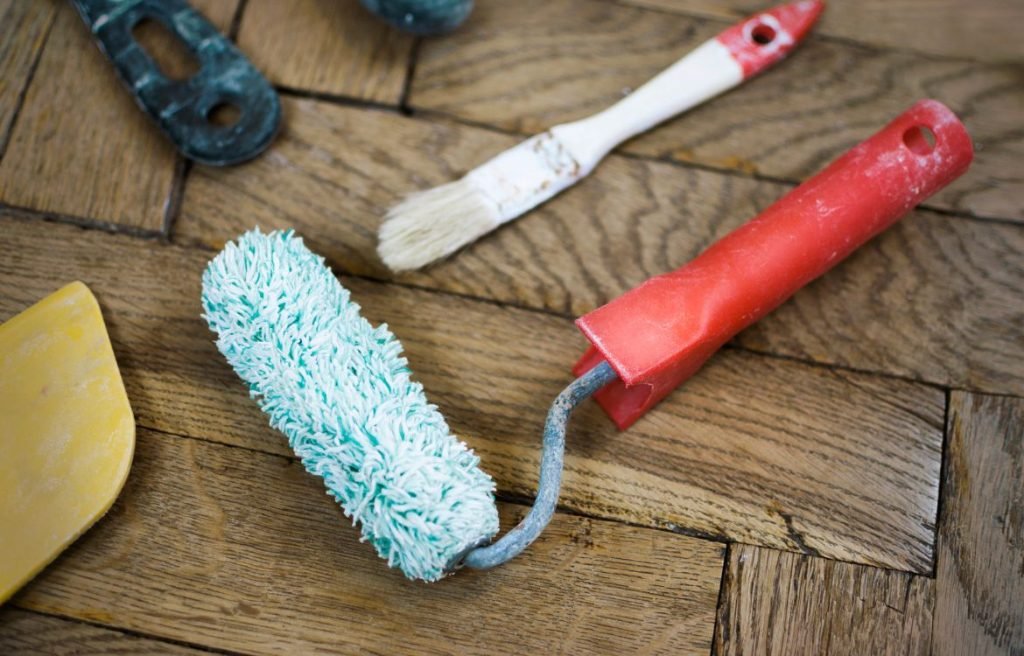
point(340, 390)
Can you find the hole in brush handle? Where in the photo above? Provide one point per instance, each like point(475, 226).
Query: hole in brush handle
point(180, 68)
point(762, 34)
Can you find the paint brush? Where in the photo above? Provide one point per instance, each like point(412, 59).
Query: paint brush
point(433, 224)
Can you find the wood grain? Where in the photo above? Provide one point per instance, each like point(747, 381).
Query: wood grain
point(527, 65)
point(980, 573)
point(934, 299)
point(23, 29)
point(757, 449)
point(782, 603)
point(985, 30)
point(81, 147)
point(23, 633)
point(791, 442)
point(327, 46)
point(241, 550)
point(218, 12)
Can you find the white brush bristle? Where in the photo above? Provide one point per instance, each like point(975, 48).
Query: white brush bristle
point(433, 224)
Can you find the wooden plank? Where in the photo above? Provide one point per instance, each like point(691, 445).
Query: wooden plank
point(981, 29)
point(218, 12)
point(81, 147)
point(782, 603)
point(240, 550)
point(326, 46)
point(980, 574)
point(757, 449)
point(29, 634)
point(933, 299)
point(23, 28)
point(528, 65)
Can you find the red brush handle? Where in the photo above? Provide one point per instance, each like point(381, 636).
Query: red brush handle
point(765, 38)
point(660, 333)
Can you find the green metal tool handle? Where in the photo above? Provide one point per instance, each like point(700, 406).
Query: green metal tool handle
point(182, 108)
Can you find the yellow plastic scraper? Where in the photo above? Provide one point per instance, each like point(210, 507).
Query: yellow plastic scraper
point(66, 430)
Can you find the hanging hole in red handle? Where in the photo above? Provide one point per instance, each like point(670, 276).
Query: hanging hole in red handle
point(762, 34)
point(919, 139)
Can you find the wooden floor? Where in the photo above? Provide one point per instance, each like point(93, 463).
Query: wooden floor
point(847, 477)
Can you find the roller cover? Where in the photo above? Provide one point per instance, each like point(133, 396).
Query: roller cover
point(660, 333)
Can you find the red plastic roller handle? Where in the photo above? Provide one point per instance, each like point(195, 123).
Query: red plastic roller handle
point(660, 333)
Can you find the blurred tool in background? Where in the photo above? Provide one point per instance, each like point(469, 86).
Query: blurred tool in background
point(190, 110)
point(186, 109)
point(423, 17)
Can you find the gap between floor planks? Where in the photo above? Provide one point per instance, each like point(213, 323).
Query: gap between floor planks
point(530, 65)
point(836, 29)
point(928, 300)
point(194, 243)
point(427, 113)
point(182, 386)
point(177, 182)
point(29, 632)
point(226, 580)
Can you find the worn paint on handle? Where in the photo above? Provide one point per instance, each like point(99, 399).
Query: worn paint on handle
point(660, 333)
